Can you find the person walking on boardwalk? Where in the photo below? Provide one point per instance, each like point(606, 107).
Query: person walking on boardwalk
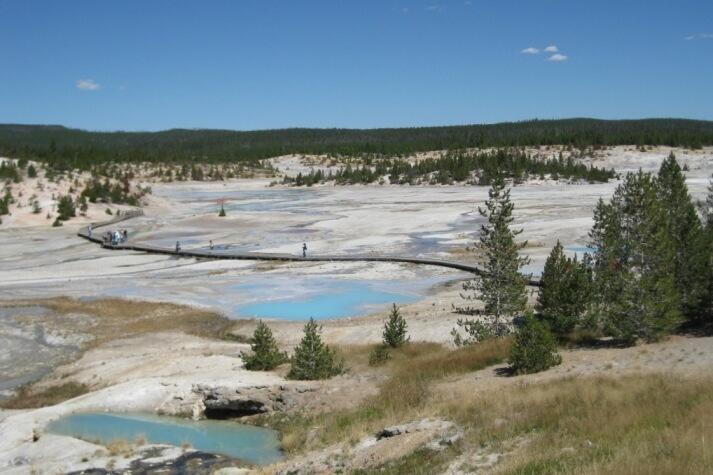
point(178, 246)
point(210, 244)
point(304, 249)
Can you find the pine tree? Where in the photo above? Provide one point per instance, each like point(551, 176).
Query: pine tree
point(5, 204)
point(686, 234)
point(313, 359)
point(707, 207)
point(31, 172)
point(265, 353)
point(501, 286)
point(83, 205)
point(635, 290)
point(707, 212)
point(65, 208)
point(534, 348)
point(395, 333)
point(565, 292)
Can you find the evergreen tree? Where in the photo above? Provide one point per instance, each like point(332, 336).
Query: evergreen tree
point(707, 207)
point(265, 353)
point(313, 359)
point(83, 205)
point(395, 333)
point(686, 235)
point(31, 171)
point(501, 286)
point(534, 348)
point(5, 203)
point(707, 211)
point(221, 214)
point(635, 290)
point(565, 292)
point(65, 208)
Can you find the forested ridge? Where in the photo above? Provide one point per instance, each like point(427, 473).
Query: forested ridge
point(65, 147)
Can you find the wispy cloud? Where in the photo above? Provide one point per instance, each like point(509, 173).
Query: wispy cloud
point(87, 85)
point(552, 51)
point(530, 50)
point(699, 36)
point(558, 58)
point(435, 8)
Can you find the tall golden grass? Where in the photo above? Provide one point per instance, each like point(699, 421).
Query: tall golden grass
point(117, 318)
point(651, 423)
point(404, 395)
point(26, 398)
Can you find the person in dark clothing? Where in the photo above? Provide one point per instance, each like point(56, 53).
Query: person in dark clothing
point(178, 246)
point(304, 249)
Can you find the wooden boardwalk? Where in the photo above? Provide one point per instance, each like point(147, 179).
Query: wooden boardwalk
point(255, 256)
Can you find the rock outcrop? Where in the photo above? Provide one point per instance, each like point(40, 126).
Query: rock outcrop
point(221, 402)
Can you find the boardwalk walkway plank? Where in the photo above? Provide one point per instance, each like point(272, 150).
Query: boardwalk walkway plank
point(255, 256)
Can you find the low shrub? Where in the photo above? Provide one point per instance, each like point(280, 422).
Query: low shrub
point(379, 355)
point(534, 348)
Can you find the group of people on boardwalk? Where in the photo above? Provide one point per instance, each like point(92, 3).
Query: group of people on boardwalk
point(118, 236)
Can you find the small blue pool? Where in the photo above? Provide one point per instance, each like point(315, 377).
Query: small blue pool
point(301, 299)
point(248, 443)
point(581, 249)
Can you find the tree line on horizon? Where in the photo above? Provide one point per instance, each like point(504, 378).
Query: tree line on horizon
point(65, 148)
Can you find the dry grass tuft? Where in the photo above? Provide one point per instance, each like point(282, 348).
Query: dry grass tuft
point(119, 447)
point(637, 424)
point(26, 398)
point(626, 424)
point(118, 318)
point(404, 396)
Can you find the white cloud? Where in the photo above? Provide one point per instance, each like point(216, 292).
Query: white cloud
point(435, 8)
point(558, 58)
point(87, 85)
point(530, 50)
point(699, 36)
point(552, 49)
point(404, 10)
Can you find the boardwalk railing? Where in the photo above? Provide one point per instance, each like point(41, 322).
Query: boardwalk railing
point(255, 256)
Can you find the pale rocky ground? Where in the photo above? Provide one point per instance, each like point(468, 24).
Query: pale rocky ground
point(47, 194)
point(149, 373)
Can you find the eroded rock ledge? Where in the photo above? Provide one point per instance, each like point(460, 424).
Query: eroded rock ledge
point(225, 402)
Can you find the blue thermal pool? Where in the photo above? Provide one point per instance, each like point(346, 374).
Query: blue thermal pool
point(320, 299)
point(248, 443)
point(580, 249)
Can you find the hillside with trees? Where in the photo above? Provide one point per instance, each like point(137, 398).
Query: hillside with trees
point(66, 148)
point(458, 166)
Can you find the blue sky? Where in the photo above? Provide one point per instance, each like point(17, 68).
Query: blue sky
point(150, 65)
